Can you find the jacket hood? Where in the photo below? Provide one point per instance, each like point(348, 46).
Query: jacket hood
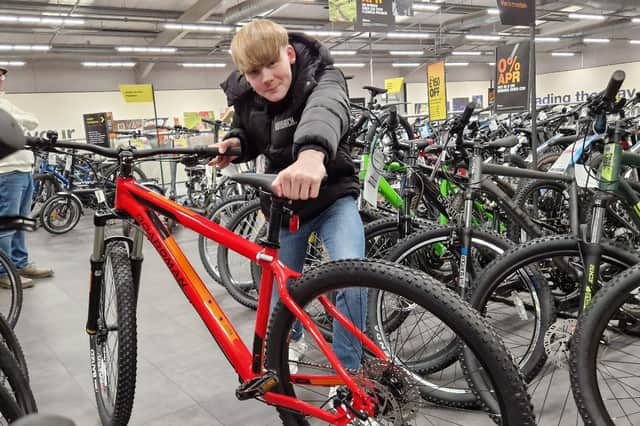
point(310, 54)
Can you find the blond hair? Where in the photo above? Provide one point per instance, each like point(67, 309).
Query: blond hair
point(258, 44)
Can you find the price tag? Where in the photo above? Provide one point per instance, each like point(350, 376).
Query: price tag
point(67, 164)
point(100, 196)
point(493, 125)
point(372, 178)
point(565, 159)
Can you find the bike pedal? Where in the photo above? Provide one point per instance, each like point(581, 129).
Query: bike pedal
point(257, 386)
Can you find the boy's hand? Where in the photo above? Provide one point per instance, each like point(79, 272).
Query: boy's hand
point(302, 179)
point(223, 161)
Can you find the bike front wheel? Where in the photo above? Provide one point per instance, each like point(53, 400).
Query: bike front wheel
point(398, 391)
point(113, 348)
point(60, 214)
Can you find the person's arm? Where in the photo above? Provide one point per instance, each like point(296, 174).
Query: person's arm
point(249, 151)
point(326, 117)
point(25, 119)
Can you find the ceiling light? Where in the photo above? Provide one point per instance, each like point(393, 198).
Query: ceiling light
point(35, 20)
point(493, 11)
point(456, 64)
point(636, 20)
point(571, 9)
point(198, 27)
point(12, 63)
point(596, 40)
point(547, 39)
point(482, 37)
point(419, 7)
point(108, 64)
point(634, 41)
point(491, 64)
point(25, 47)
point(350, 64)
point(540, 21)
point(146, 49)
point(406, 52)
point(405, 64)
point(408, 35)
point(323, 33)
point(204, 65)
point(587, 17)
point(343, 52)
point(475, 53)
point(563, 54)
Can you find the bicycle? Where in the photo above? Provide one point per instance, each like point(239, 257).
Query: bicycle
point(382, 389)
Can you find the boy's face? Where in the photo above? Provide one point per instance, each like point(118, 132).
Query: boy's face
point(272, 81)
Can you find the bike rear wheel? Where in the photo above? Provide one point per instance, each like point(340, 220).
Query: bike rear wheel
point(113, 348)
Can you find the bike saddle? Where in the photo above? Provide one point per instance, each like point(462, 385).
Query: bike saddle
point(261, 181)
point(375, 91)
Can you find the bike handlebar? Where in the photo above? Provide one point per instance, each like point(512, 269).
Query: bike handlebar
point(615, 82)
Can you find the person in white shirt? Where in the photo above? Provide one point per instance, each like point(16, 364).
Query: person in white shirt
point(16, 190)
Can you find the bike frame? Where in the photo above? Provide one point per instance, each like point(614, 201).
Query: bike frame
point(142, 204)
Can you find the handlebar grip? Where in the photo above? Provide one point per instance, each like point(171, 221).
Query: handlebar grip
point(617, 78)
point(468, 111)
point(213, 151)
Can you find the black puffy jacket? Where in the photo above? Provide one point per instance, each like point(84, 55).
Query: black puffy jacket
point(314, 115)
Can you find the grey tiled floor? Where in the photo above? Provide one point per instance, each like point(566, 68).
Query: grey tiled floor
point(183, 378)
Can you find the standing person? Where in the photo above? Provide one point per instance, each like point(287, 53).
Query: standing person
point(292, 105)
point(16, 190)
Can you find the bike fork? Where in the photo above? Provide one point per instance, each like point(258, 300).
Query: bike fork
point(592, 253)
point(95, 283)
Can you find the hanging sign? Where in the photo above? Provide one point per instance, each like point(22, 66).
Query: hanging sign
point(393, 85)
point(342, 10)
point(374, 15)
point(137, 92)
point(512, 77)
point(96, 128)
point(437, 91)
point(517, 12)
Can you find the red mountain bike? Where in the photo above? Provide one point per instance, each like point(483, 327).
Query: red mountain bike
point(407, 313)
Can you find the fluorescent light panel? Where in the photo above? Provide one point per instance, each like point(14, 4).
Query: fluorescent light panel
point(456, 64)
point(563, 54)
point(596, 40)
point(323, 33)
point(127, 49)
point(571, 9)
point(634, 41)
point(343, 52)
point(491, 64)
point(204, 65)
point(199, 27)
point(547, 39)
point(636, 20)
point(586, 17)
point(482, 37)
point(35, 20)
point(420, 7)
point(24, 47)
point(493, 11)
point(475, 53)
point(408, 35)
point(108, 64)
point(406, 52)
point(405, 64)
point(12, 63)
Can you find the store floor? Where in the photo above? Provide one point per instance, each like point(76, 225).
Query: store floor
point(183, 378)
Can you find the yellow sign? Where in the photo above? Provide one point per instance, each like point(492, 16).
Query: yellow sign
point(437, 91)
point(137, 92)
point(393, 85)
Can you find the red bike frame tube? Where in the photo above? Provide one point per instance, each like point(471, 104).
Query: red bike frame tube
point(141, 204)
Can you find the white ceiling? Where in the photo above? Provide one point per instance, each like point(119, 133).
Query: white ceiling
point(111, 23)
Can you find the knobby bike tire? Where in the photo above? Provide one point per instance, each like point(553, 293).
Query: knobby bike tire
point(421, 292)
point(525, 260)
point(15, 381)
point(220, 213)
point(71, 208)
point(9, 408)
point(11, 309)
point(607, 313)
point(11, 341)
point(115, 394)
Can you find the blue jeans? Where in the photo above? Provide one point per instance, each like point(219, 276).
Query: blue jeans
point(342, 233)
point(16, 190)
